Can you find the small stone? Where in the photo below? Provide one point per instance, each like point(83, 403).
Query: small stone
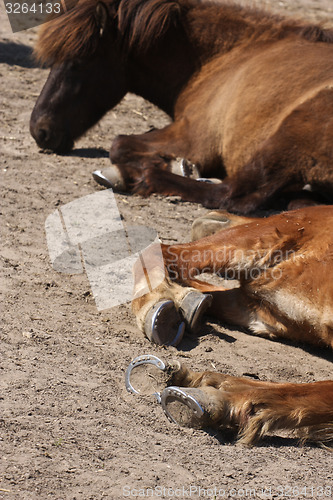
point(27, 335)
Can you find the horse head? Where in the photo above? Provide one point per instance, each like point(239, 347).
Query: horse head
point(86, 78)
point(97, 54)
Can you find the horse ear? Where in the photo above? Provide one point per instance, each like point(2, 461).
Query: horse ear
point(101, 16)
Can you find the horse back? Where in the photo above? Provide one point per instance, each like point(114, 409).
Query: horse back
point(239, 100)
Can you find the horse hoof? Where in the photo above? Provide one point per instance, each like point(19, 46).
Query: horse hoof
point(145, 375)
point(110, 178)
point(193, 306)
point(163, 324)
point(185, 406)
point(185, 168)
point(208, 225)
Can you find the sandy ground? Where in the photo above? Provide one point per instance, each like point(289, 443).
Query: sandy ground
point(69, 429)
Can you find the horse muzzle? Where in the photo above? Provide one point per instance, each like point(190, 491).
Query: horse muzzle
point(49, 137)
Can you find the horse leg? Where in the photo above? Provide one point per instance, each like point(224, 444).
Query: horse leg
point(154, 174)
point(163, 312)
point(248, 407)
point(149, 163)
point(252, 408)
point(164, 308)
point(164, 149)
point(273, 171)
point(144, 164)
point(238, 193)
point(266, 256)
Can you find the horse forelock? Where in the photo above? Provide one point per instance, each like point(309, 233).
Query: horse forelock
point(76, 33)
point(70, 36)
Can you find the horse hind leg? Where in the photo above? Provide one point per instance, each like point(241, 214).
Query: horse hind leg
point(251, 408)
point(248, 407)
point(165, 312)
point(188, 406)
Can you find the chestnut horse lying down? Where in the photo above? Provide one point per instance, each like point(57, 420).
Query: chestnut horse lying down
point(250, 95)
point(284, 267)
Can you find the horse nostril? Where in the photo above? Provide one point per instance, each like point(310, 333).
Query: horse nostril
point(42, 135)
point(48, 137)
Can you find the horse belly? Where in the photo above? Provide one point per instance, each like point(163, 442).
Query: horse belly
point(300, 293)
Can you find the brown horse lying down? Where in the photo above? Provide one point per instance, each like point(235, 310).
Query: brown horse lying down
point(250, 95)
point(284, 267)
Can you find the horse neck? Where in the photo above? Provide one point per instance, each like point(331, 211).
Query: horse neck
point(159, 74)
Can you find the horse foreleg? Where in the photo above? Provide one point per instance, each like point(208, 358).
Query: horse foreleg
point(209, 194)
point(179, 298)
point(131, 155)
point(261, 254)
point(165, 308)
